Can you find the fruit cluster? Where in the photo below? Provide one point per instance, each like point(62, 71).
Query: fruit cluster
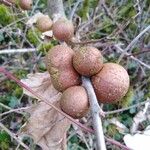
point(66, 66)
point(63, 29)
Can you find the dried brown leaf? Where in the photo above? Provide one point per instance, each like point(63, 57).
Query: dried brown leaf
point(47, 127)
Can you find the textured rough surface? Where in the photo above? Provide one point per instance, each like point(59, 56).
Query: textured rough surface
point(25, 4)
point(63, 29)
point(74, 102)
point(44, 23)
point(59, 58)
point(111, 83)
point(88, 61)
point(65, 79)
point(59, 65)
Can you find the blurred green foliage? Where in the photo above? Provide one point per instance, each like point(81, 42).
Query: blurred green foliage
point(83, 13)
point(6, 15)
point(75, 143)
point(128, 99)
point(85, 8)
point(4, 140)
point(45, 47)
point(113, 132)
point(33, 35)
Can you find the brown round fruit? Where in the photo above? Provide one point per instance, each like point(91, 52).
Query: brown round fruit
point(63, 29)
point(88, 61)
point(111, 83)
point(44, 23)
point(25, 4)
point(74, 102)
point(65, 79)
point(59, 58)
point(59, 65)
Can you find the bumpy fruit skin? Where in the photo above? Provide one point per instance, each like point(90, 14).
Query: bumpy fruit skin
point(88, 61)
point(59, 58)
point(59, 65)
point(25, 4)
point(44, 23)
point(74, 102)
point(65, 79)
point(63, 29)
point(111, 83)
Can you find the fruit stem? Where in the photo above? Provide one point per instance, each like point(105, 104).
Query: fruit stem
point(95, 111)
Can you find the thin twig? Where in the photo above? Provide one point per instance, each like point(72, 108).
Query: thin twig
point(117, 143)
point(13, 23)
point(14, 136)
point(74, 9)
point(17, 110)
point(92, 41)
point(111, 16)
point(139, 53)
point(133, 42)
point(5, 2)
point(84, 25)
point(12, 51)
point(95, 110)
point(124, 109)
point(5, 106)
point(132, 57)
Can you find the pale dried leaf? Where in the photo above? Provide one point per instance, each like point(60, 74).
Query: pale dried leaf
point(138, 141)
point(33, 19)
point(40, 83)
point(47, 34)
point(139, 118)
point(46, 125)
point(119, 126)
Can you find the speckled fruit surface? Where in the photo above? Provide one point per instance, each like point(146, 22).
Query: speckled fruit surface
point(111, 83)
point(65, 79)
point(44, 23)
point(59, 58)
point(59, 65)
point(25, 4)
point(88, 61)
point(63, 29)
point(74, 102)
